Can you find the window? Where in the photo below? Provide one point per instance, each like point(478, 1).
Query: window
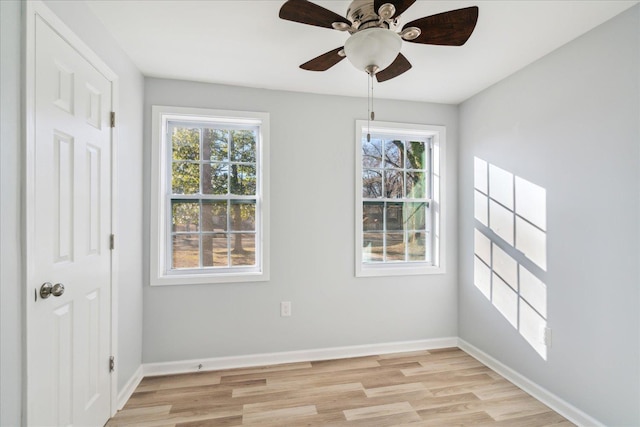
point(399, 199)
point(209, 205)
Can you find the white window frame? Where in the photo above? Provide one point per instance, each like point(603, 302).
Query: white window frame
point(160, 215)
point(437, 135)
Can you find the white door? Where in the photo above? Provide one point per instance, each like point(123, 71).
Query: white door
point(68, 336)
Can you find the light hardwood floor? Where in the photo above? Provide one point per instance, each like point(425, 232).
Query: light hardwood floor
point(427, 388)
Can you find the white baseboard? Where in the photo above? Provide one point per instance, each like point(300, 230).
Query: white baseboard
point(231, 362)
point(130, 387)
point(559, 405)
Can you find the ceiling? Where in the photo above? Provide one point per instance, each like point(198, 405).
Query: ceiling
point(244, 43)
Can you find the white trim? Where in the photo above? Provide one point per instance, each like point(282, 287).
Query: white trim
point(115, 265)
point(33, 9)
point(556, 403)
point(130, 387)
point(438, 239)
point(232, 362)
point(158, 220)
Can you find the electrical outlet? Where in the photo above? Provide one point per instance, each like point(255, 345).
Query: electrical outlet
point(285, 309)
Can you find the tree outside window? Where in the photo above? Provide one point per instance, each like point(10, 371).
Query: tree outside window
point(213, 196)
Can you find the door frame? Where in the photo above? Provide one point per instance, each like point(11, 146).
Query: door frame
point(31, 10)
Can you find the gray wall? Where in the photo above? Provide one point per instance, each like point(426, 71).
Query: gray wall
point(312, 243)
point(569, 123)
point(10, 246)
point(78, 17)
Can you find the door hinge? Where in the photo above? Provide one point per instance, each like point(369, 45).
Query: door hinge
point(112, 241)
point(112, 364)
point(113, 119)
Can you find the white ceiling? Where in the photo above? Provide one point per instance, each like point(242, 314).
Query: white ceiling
point(243, 42)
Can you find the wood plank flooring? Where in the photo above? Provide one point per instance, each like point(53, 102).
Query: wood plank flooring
point(428, 388)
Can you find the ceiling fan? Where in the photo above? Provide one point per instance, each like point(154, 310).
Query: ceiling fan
point(374, 43)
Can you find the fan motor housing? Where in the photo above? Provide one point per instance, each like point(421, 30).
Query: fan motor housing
point(363, 15)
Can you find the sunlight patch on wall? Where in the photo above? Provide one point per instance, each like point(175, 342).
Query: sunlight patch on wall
point(481, 201)
point(513, 213)
point(501, 221)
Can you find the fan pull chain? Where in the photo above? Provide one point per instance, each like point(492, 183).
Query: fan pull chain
point(368, 110)
point(371, 115)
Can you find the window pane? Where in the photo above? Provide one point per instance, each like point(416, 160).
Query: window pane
point(416, 185)
point(215, 144)
point(243, 146)
point(393, 184)
point(394, 217)
point(243, 180)
point(395, 247)
point(372, 153)
point(243, 215)
point(186, 251)
point(185, 178)
point(417, 246)
point(214, 215)
point(244, 249)
point(185, 144)
point(215, 252)
point(371, 183)
point(185, 216)
point(215, 178)
point(372, 216)
point(393, 153)
point(372, 247)
point(416, 155)
point(415, 216)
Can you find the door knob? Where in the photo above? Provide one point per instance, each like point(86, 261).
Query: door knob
point(57, 290)
point(47, 289)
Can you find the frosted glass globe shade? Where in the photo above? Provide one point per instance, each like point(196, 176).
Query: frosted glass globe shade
point(373, 46)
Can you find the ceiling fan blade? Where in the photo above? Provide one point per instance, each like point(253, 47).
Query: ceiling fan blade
point(400, 5)
point(397, 67)
point(451, 28)
point(305, 12)
point(324, 61)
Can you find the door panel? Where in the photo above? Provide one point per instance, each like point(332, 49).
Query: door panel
point(68, 336)
point(62, 181)
point(62, 340)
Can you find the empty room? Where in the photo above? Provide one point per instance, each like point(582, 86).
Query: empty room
point(327, 213)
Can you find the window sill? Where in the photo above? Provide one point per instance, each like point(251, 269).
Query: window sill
point(368, 270)
point(208, 278)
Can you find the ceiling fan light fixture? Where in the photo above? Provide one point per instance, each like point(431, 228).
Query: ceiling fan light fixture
point(373, 47)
